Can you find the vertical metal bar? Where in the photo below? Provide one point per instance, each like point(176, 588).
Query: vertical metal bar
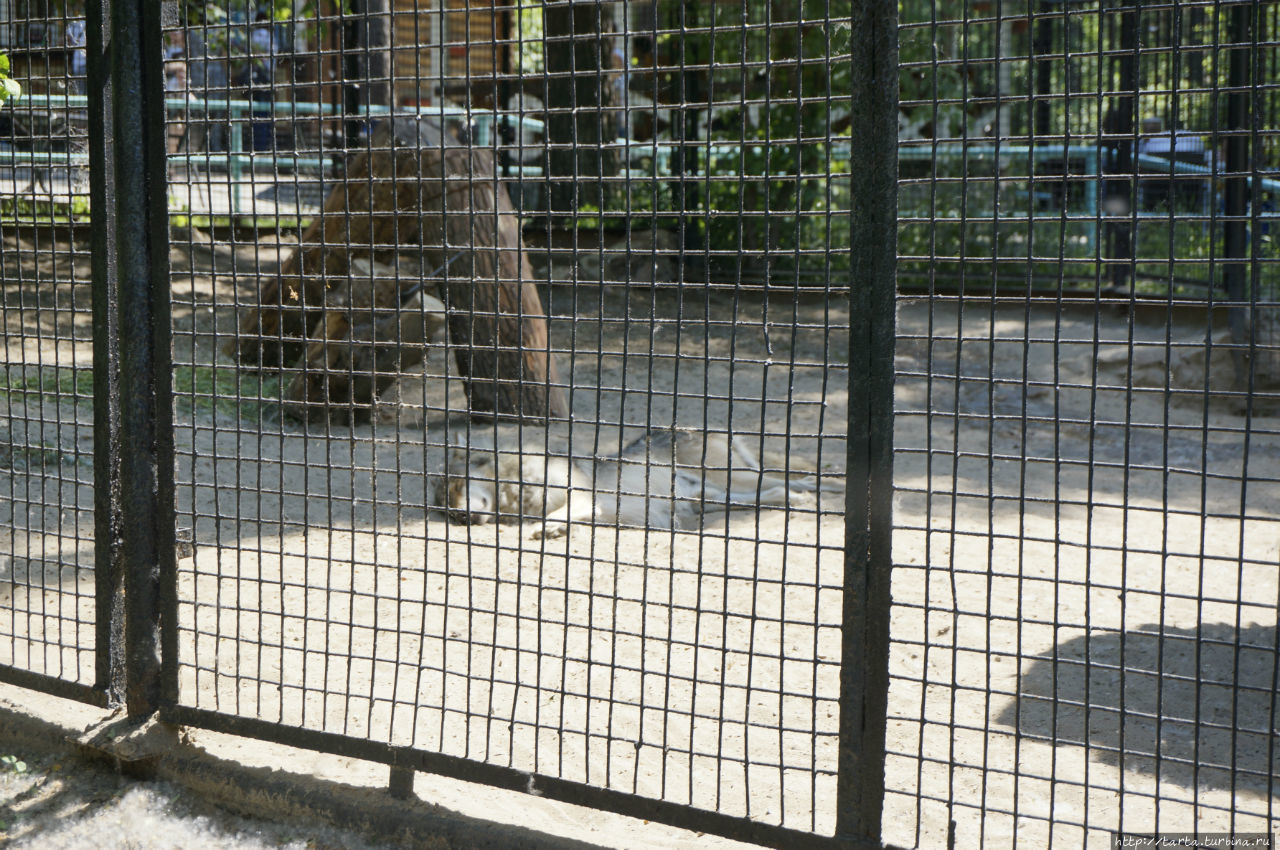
point(106, 354)
point(685, 128)
point(376, 64)
point(1235, 247)
point(1041, 48)
point(349, 27)
point(236, 158)
point(1119, 125)
point(165, 517)
point(864, 671)
point(400, 782)
point(131, 297)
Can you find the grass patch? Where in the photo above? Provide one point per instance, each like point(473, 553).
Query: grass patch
point(15, 456)
point(200, 389)
point(227, 390)
point(20, 211)
point(31, 383)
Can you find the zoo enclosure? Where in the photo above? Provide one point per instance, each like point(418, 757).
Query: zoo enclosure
point(1082, 622)
point(1084, 634)
point(308, 590)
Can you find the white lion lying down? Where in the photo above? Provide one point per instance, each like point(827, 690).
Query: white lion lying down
point(666, 479)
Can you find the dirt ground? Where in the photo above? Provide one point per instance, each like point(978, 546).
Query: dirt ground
point(52, 800)
point(1067, 492)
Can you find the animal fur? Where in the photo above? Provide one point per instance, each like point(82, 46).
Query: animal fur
point(666, 479)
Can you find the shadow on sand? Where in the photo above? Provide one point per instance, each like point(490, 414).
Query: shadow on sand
point(1196, 707)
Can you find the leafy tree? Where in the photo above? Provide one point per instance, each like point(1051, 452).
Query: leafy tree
point(530, 60)
point(768, 142)
point(578, 99)
point(750, 111)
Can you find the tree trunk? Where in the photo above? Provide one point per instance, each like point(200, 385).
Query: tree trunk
point(375, 51)
point(366, 62)
point(578, 94)
point(416, 190)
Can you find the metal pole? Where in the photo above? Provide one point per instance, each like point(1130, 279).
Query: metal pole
point(1042, 46)
point(577, 121)
point(864, 670)
point(1119, 125)
point(685, 127)
point(106, 356)
point(1235, 246)
point(133, 432)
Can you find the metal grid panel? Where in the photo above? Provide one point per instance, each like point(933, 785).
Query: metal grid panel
point(668, 184)
point(47, 610)
point(1086, 510)
point(1084, 630)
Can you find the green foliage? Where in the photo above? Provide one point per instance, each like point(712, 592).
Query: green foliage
point(765, 163)
point(1035, 243)
point(224, 26)
point(13, 764)
point(9, 87)
point(956, 56)
point(957, 59)
point(530, 57)
point(769, 168)
point(196, 12)
point(945, 67)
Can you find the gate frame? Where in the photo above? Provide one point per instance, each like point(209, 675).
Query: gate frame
point(864, 664)
point(136, 664)
point(136, 565)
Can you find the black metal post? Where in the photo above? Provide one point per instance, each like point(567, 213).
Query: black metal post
point(106, 354)
point(352, 73)
point(1235, 234)
point(1119, 126)
point(578, 119)
point(692, 97)
point(376, 52)
point(1042, 45)
point(367, 65)
point(864, 671)
point(505, 90)
point(133, 432)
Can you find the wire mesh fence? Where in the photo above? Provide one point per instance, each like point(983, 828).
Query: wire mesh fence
point(519, 451)
point(525, 374)
point(1087, 515)
point(48, 613)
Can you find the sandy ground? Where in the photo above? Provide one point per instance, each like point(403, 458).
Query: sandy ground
point(1067, 492)
point(1106, 512)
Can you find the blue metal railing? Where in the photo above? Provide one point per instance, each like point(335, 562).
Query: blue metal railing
point(236, 159)
point(1085, 164)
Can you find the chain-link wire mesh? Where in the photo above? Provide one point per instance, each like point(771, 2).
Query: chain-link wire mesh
point(1088, 505)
